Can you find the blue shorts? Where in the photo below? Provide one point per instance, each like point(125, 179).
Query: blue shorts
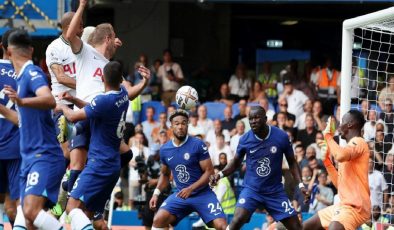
point(82, 139)
point(9, 177)
point(42, 178)
point(94, 188)
point(277, 204)
point(204, 203)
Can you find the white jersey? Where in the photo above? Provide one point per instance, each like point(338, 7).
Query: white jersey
point(90, 70)
point(59, 52)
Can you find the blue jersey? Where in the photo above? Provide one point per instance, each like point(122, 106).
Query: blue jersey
point(184, 161)
point(264, 159)
point(107, 114)
point(9, 135)
point(37, 129)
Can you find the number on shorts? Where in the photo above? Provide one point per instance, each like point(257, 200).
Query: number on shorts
point(121, 125)
point(212, 207)
point(76, 183)
point(288, 206)
point(9, 103)
point(32, 179)
point(264, 169)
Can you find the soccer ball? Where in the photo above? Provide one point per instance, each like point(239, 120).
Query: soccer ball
point(186, 97)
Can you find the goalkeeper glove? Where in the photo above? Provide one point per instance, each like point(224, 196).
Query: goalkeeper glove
point(330, 127)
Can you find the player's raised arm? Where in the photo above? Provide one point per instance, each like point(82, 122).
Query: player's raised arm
point(134, 91)
point(71, 36)
point(161, 185)
point(331, 170)
point(207, 168)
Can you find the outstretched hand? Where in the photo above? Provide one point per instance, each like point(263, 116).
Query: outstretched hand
point(214, 179)
point(145, 72)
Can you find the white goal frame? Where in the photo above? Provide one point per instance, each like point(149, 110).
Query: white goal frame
point(347, 48)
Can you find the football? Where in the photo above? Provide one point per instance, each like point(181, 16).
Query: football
point(186, 97)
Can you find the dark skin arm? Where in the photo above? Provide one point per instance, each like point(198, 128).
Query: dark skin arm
point(296, 172)
point(229, 169)
point(207, 168)
point(164, 179)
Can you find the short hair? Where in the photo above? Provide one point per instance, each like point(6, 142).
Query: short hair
point(4, 39)
point(259, 109)
point(152, 108)
point(167, 51)
point(358, 117)
point(299, 146)
point(222, 153)
point(179, 112)
point(220, 135)
point(113, 73)
point(100, 33)
point(20, 39)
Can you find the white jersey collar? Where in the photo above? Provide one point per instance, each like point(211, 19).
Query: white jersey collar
point(187, 137)
point(5, 61)
point(23, 67)
point(269, 134)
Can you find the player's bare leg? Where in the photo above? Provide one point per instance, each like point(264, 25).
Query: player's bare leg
point(10, 208)
point(292, 223)
point(312, 223)
point(162, 219)
point(218, 224)
point(335, 225)
point(241, 217)
point(35, 216)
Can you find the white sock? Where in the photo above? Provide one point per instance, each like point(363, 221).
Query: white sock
point(228, 227)
point(154, 228)
point(45, 221)
point(1, 216)
point(79, 221)
point(20, 222)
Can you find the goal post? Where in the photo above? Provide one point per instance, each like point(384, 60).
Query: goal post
point(348, 28)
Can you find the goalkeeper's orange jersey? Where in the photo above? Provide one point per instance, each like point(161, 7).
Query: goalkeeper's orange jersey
point(351, 179)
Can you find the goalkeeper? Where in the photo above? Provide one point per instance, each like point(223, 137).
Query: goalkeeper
point(351, 179)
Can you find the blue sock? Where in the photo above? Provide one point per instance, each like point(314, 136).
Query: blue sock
point(73, 177)
point(67, 162)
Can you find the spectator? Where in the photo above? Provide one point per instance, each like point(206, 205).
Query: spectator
point(141, 152)
point(240, 130)
point(242, 110)
point(269, 81)
point(315, 164)
point(307, 110)
point(246, 119)
point(281, 120)
point(170, 110)
point(377, 217)
point(282, 102)
point(387, 115)
point(377, 186)
point(295, 98)
point(162, 126)
point(388, 171)
point(387, 92)
point(269, 223)
point(149, 124)
point(370, 125)
point(203, 121)
point(365, 107)
point(239, 83)
point(307, 136)
point(268, 112)
point(319, 136)
point(134, 77)
point(323, 195)
point(381, 147)
point(195, 128)
point(318, 115)
point(327, 83)
point(171, 76)
point(154, 69)
point(219, 147)
point(224, 95)
point(300, 156)
point(118, 203)
point(229, 122)
point(222, 161)
point(257, 92)
point(298, 201)
point(213, 133)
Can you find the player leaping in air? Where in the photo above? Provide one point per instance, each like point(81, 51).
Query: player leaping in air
point(264, 147)
point(188, 159)
point(351, 179)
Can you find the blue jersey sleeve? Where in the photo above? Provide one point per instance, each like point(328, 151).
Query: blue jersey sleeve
point(287, 147)
point(37, 80)
point(163, 158)
point(203, 152)
point(97, 107)
point(241, 148)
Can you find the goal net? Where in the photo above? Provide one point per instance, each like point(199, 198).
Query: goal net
point(367, 84)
